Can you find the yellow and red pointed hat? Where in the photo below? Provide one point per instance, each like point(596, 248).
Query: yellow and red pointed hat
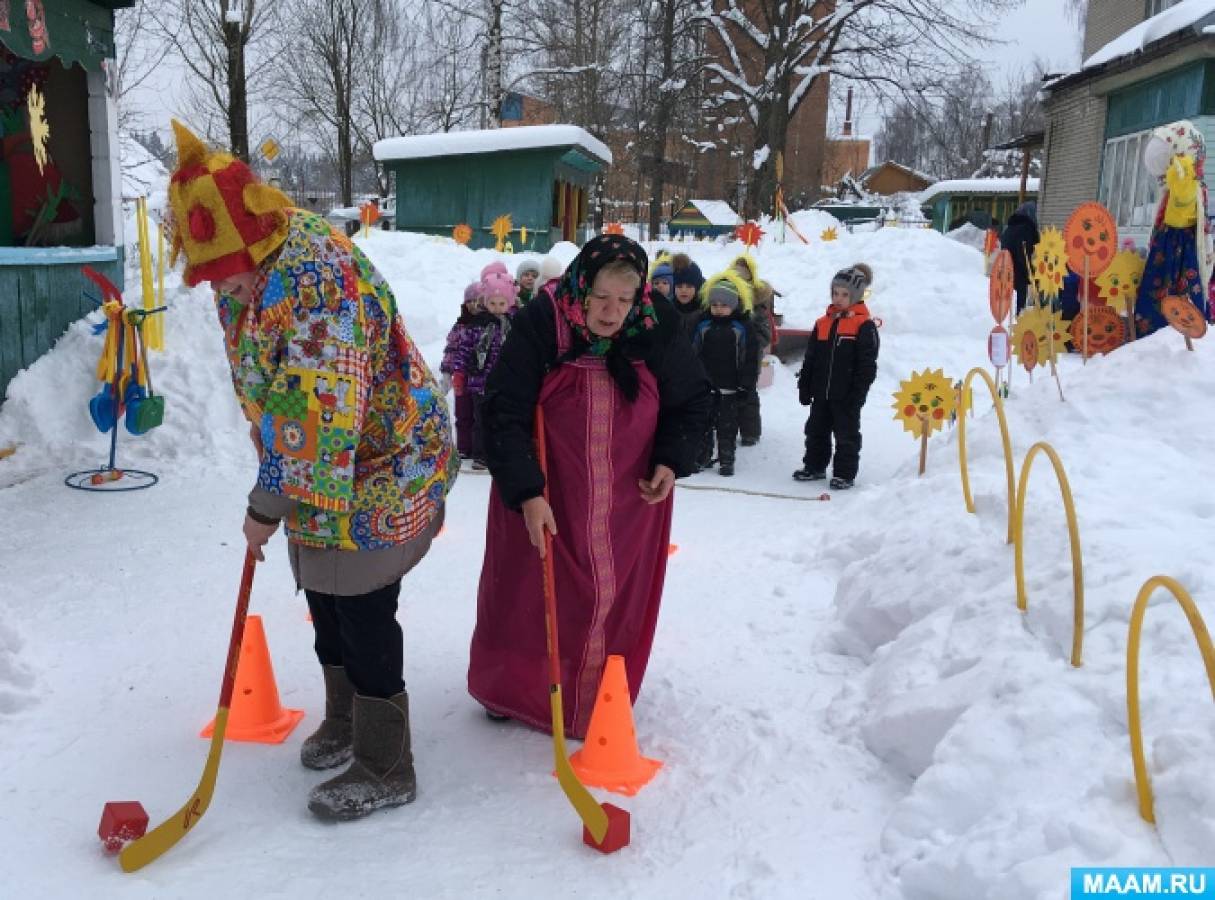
point(227, 221)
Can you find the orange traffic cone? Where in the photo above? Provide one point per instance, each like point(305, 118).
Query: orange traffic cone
point(256, 714)
point(610, 759)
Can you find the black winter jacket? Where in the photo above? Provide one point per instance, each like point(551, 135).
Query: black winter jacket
point(840, 368)
point(530, 352)
point(690, 315)
point(1020, 237)
point(728, 348)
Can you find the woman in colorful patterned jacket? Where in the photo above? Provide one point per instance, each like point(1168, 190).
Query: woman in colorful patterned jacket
point(625, 405)
point(353, 441)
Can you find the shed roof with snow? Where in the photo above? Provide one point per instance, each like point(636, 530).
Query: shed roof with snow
point(706, 217)
point(982, 201)
point(495, 140)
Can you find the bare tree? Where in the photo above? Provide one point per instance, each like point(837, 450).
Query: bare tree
point(216, 39)
point(773, 52)
point(139, 55)
point(322, 65)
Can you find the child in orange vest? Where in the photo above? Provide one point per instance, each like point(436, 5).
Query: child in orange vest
point(840, 365)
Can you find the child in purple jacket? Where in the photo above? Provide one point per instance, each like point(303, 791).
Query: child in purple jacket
point(482, 343)
point(454, 364)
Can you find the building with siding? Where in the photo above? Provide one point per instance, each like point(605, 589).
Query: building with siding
point(60, 197)
point(1147, 63)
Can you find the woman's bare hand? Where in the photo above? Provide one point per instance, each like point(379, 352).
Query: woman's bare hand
point(538, 515)
point(659, 485)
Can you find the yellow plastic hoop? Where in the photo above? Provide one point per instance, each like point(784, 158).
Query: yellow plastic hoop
point(1004, 436)
point(1143, 783)
point(1073, 530)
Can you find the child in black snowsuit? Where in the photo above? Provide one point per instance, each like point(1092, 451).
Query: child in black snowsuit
point(840, 365)
point(688, 282)
point(729, 352)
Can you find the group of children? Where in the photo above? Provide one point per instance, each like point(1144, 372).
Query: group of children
point(730, 321)
point(476, 340)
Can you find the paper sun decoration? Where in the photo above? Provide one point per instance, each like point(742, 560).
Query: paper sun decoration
point(1119, 284)
point(462, 233)
point(40, 129)
point(1106, 330)
point(1050, 263)
point(1036, 327)
point(613, 228)
point(830, 234)
point(749, 233)
point(500, 229)
point(930, 394)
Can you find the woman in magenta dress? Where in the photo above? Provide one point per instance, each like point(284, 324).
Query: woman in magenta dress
point(625, 404)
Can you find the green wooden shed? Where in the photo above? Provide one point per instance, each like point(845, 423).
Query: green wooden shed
point(950, 204)
point(539, 175)
point(60, 196)
point(703, 218)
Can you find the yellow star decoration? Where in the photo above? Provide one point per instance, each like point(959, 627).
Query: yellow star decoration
point(500, 229)
point(930, 394)
point(830, 234)
point(1037, 329)
point(1119, 284)
point(1050, 263)
point(40, 130)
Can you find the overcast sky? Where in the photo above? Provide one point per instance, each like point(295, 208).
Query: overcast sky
point(1038, 28)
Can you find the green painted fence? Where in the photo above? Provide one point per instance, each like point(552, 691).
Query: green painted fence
point(41, 294)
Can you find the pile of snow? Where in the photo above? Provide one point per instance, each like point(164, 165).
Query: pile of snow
point(971, 235)
point(1196, 14)
point(1020, 764)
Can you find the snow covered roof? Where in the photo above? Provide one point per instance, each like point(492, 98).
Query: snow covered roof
point(978, 186)
point(718, 212)
point(495, 140)
point(1195, 14)
point(873, 170)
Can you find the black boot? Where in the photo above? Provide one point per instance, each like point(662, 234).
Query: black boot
point(805, 474)
point(330, 744)
point(726, 469)
point(840, 484)
point(382, 772)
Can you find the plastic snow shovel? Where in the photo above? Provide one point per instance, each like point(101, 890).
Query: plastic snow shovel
point(607, 826)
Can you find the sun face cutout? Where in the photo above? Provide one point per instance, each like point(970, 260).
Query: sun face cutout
point(927, 396)
point(1000, 286)
point(1049, 263)
point(1091, 235)
point(1106, 330)
point(1184, 316)
point(1119, 284)
point(1037, 331)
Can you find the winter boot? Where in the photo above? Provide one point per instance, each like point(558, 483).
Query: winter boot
point(840, 484)
point(330, 745)
point(804, 474)
point(726, 469)
point(382, 772)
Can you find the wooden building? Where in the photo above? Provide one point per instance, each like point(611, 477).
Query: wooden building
point(890, 178)
point(980, 201)
point(703, 219)
point(60, 182)
point(539, 175)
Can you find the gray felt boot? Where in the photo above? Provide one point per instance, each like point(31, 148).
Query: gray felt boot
point(330, 745)
point(382, 772)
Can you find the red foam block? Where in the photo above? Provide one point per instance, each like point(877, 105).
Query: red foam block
point(617, 834)
point(122, 821)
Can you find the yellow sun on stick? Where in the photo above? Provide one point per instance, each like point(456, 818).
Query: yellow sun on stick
point(830, 234)
point(40, 129)
point(1119, 284)
point(500, 228)
point(927, 396)
point(1050, 263)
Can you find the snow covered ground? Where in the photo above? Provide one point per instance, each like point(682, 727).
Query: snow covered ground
point(847, 700)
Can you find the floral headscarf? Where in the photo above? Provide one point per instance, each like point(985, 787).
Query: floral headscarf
point(1182, 138)
point(570, 296)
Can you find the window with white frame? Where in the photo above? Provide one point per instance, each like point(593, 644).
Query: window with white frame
point(1155, 7)
point(1128, 190)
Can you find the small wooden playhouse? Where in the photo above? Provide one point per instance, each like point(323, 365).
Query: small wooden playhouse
point(60, 185)
point(539, 175)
